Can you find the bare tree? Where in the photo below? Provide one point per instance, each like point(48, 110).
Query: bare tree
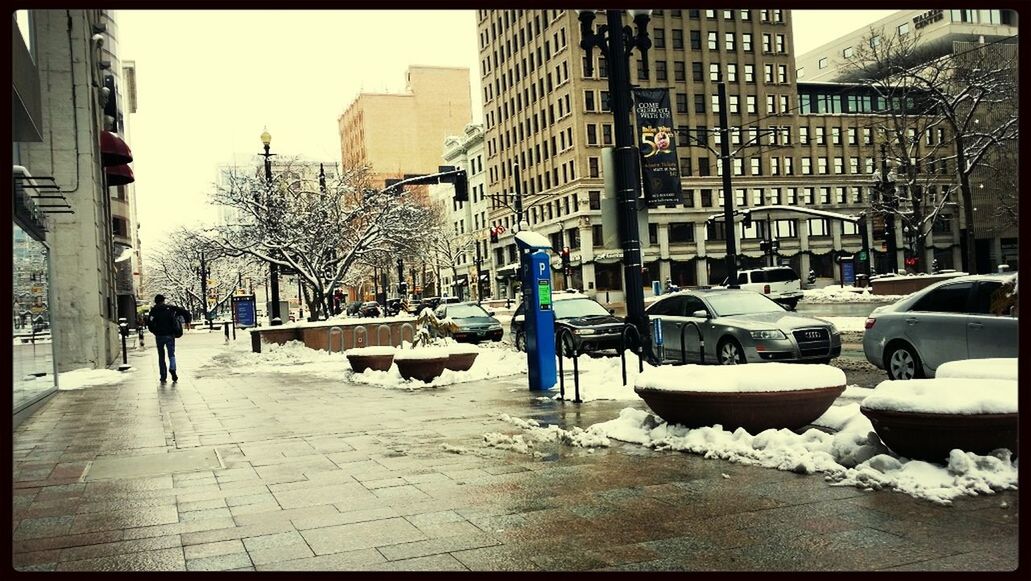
point(965, 98)
point(319, 231)
point(447, 246)
point(176, 272)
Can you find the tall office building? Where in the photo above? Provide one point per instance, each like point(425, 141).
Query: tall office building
point(542, 112)
point(942, 33)
point(400, 133)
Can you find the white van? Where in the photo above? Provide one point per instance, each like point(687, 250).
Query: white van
point(780, 283)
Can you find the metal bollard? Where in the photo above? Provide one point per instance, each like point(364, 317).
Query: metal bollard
point(226, 326)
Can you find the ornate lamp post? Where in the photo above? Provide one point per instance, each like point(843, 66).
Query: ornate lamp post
point(273, 268)
point(618, 41)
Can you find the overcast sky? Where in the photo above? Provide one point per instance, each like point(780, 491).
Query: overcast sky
point(209, 82)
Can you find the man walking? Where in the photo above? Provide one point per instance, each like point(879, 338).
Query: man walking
point(166, 323)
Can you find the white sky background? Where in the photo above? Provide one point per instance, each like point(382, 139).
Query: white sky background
point(208, 82)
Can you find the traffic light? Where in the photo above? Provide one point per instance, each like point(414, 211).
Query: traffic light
point(775, 245)
point(764, 245)
point(461, 182)
point(565, 259)
point(747, 220)
point(493, 235)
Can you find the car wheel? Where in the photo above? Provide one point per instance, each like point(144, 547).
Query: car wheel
point(729, 352)
point(568, 346)
point(520, 341)
point(903, 363)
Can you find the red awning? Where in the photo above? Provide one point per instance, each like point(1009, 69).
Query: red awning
point(119, 175)
point(113, 149)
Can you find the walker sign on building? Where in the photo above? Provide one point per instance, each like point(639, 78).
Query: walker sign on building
point(659, 162)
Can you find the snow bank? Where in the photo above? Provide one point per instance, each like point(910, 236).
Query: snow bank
point(423, 353)
point(88, 377)
point(602, 378)
point(847, 294)
point(853, 456)
point(999, 368)
point(374, 350)
point(494, 360)
point(524, 443)
point(741, 378)
point(945, 396)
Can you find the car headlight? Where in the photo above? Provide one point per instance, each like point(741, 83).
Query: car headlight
point(767, 334)
point(585, 331)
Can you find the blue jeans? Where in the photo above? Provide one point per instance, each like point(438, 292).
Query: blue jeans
point(165, 342)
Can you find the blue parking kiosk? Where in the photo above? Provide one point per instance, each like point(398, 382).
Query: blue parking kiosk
point(539, 319)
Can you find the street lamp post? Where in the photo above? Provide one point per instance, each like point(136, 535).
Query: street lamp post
point(202, 271)
point(273, 268)
point(617, 41)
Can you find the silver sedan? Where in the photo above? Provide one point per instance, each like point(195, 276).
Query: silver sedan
point(966, 317)
point(739, 326)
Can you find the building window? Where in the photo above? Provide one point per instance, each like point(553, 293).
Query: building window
point(660, 71)
point(679, 71)
point(825, 195)
point(729, 41)
point(589, 101)
point(678, 38)
point(696, 71)
point(681, 232)
point(594, 200)
point(714, 72)
point(821, 164)
point(696, 40)
point(659, 37)
point(592, 134)
point(848, 53)
point(903, 29)
point(597, 238)
point(839, 195)
point(713, 42)
point(706, 198)
point(731, 73)
point(819, 227)
point(592, 167)
point(807, 166)
point(746, 42)
point(822, 63)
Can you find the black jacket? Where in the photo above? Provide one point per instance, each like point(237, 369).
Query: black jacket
point(160, 320)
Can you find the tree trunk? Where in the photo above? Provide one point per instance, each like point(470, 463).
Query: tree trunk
point(970, 256)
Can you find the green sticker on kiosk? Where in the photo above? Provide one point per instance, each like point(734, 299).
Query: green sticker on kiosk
point(544, 293)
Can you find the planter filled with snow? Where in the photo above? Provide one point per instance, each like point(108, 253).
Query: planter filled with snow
point(754, 397)
point(424, 364)
point(999, 368)
point(926, 419)
point(375, 358)
point(461, 357)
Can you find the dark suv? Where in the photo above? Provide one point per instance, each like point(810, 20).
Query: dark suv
point(593, 327)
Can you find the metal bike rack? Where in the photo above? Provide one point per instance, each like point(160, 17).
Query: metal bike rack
point(411, 333)
point(329, 338)
point(701, 342)
point(379, 335)
point(559, 336)
point(361, 336)
point(623, 346)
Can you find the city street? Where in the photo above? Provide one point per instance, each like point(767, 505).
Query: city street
point(290, 472)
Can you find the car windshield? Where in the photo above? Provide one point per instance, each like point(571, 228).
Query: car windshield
point(575, 308)
point(741, 303)
point(465, 311)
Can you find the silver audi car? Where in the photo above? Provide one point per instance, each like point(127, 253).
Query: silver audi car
point(739, 326)
point(968, 317)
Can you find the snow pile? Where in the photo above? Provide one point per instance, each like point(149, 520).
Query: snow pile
point(292, 357)
point(602, 378)
point(846, 294)
point(523, 443)
point(847, 324)
point(423, 353)
point(741, 378)
point(88, 377)
point(999, 368)
point(853, 456)
point(371, 351)
point(945, 396)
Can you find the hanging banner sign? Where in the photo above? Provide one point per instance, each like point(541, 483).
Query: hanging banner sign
point(659, 162)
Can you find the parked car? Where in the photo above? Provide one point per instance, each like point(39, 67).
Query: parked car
point(369, 309)
point(740, 326)
point(433, 303)
point(474, 323)
point(944, 322)
point(594, 328)
point(396, 306)
point(780, 283)
point(353, 308)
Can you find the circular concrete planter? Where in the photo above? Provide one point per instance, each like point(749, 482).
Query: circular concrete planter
point(931, 436)
point(359, 363)
point(461, 361)
point(752, 410)
point(422, 368)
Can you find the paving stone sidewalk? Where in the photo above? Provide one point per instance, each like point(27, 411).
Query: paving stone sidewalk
point(283, 472)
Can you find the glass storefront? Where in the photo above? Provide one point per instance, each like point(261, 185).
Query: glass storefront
point(33, 354)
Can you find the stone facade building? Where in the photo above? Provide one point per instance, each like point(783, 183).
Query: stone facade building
point(543, 113)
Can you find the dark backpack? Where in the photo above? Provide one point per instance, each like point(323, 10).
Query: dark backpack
point(177, 325)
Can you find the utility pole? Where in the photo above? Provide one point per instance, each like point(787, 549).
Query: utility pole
point(728, 194)
point(479, 274)
point(889, 199)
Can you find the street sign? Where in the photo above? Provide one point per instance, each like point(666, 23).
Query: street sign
point(244, 311)
point(862, 255)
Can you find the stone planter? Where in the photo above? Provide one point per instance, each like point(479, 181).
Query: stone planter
point(754, 411)
point(461, 361)
point(931, 436)
point(422, 368)
point(359, 362)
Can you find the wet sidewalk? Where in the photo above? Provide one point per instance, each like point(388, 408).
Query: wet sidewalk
point(278, 472)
